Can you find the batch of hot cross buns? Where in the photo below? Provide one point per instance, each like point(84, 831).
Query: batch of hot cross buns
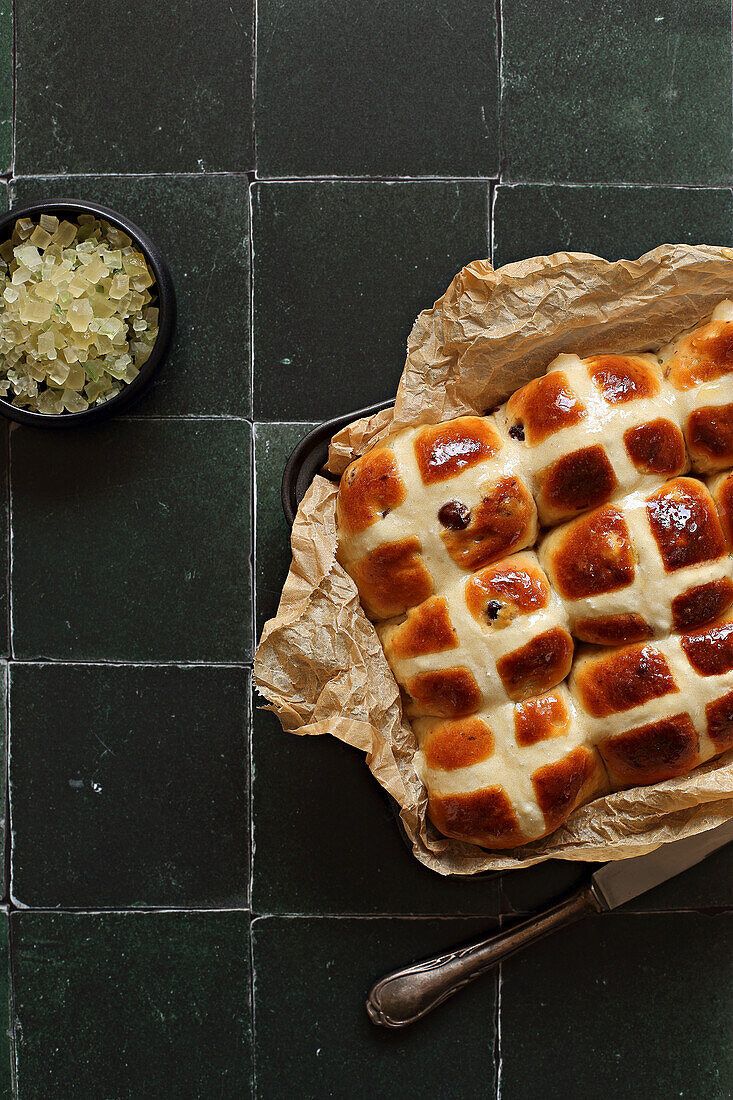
point(552, 584)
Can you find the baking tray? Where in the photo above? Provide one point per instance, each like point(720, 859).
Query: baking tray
point(307, 460)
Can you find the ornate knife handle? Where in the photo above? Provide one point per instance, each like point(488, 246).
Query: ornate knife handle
point(405, 996)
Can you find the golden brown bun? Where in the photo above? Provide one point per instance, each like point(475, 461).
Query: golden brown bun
point(432, 505)
point(497, 635)
point(595, 428)
point(699, 367)
point(511, 775)
point(643, 565)
point(658, 709)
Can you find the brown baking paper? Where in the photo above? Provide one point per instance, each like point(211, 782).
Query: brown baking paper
point(319, 661)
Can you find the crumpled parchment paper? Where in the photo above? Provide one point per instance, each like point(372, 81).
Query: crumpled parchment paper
point(319, 662)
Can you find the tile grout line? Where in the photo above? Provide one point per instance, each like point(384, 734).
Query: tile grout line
point(253, 1008)
point(621, 185)
point(255, 52)
point(494, 186)
point(492, 220)
point(499, 180)
point(8, 854)
point(250, 697)
point(499, 18)
point(251, 556)
point(117, 911)
point(111, 662)
point(9, 559)
point(15, 909)
point(14, 62)
point(498, 919)
point(255, 526)
point(251, 306)
point(12, 1008)
point(253, 485)
point(58, 175)
point(223, 418)
point(253, 585)
point(8, 837)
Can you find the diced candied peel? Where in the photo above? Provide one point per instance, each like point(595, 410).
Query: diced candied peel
point(47, 344)
point(23, 228)
point(40, 237)
point(76, 323)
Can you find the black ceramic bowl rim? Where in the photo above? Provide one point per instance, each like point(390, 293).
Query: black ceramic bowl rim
point(166, 314)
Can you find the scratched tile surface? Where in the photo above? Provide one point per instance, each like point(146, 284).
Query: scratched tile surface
point(195, 902)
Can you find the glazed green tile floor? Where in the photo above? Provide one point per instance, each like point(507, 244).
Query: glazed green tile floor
point(195, 903)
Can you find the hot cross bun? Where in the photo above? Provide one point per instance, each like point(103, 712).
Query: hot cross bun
point(511, 775)
point(499, 634)
point(430, 506)
point(643, 565)
point(699, 369)
point(595, 428)
point(658, 709)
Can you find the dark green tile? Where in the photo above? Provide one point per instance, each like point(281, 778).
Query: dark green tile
point(201, 223)
point(132, 1005)
point(621, 1006)
point(313, 1036)
point(617, 92)
point(131, 541)
point(273, 444)
point(6, 85)
point(336, 96)
point(127, 88)
point(6, 1052)
point(327, 840)
point(615, 222)
point(341, 271)
point(4, 838)
point(4, 486)
point(128, 786)
point(4, 540)
point(534, 887)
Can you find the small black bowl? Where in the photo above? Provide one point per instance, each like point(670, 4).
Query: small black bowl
point(71, 209)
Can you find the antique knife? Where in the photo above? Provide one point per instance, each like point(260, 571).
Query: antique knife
point(406, 995)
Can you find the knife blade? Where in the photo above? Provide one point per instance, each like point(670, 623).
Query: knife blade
point(406, 995)
point(618, 882)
